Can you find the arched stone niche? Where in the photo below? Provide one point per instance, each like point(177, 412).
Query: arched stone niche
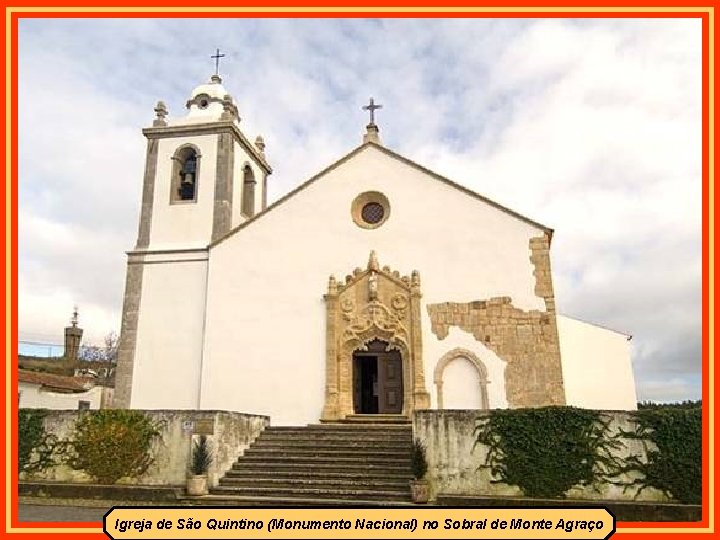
point(459, 354)
point(372, 304)
point(182, 153)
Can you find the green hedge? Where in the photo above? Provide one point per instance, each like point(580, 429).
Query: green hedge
point(676, 405)
point(674, 465)
point(546, 451)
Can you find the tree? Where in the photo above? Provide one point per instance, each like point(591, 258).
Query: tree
point(101, 353)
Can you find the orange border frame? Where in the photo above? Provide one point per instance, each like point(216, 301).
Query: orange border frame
point(703, 10)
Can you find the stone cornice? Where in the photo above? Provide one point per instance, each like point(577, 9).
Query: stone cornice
point(167, 255)
point(209, 128)
point(165, 251)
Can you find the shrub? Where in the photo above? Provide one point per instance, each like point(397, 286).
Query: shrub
point(110, 444)
point(201, 456)
point(418, 462)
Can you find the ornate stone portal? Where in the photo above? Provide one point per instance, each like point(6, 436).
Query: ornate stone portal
point(372, 304)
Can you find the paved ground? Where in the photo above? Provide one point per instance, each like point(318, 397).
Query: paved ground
point(32, 512)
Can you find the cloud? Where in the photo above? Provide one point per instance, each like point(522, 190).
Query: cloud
point(590, 126)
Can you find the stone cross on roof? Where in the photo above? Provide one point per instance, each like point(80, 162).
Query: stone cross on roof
point(372, 108)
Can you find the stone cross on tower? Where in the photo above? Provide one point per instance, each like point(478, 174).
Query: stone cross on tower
point(372, 108)
point(217, 56)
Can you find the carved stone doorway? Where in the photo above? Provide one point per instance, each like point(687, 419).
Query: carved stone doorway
point(377, 380)
point(374, 309)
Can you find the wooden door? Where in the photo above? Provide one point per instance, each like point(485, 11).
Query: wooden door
point(390, 383)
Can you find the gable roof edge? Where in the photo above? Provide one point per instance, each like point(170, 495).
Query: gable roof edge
point(288, 195)
point(467, 191)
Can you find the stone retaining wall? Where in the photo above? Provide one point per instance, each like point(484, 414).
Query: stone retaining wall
point(229, 433)
point(454, 460)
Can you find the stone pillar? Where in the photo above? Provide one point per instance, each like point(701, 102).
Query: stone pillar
point(146, 208)
point(222, 208)
point(421, 397)
point(128, 335)
point(330, 410)
point(372, 134)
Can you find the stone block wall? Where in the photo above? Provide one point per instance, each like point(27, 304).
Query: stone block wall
point(527, 340)
point(454, 459)
point(229, 433)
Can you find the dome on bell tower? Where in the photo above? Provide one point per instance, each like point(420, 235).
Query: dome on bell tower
point(209, 101)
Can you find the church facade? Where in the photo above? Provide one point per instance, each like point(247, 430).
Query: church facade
point(375, 287)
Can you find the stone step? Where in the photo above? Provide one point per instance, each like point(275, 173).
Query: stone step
point(327, 464)
point(349, 427)
point(333, 445)
point(357, 482)
point(316, 493)
point(376, 419)
point(361, 468)
point(308, 502)
point(337, 461)
point(291, 452)
point(318, 474)
point(336, 436)
point(338, 442)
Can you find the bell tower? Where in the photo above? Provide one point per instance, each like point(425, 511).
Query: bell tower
point(196, 185)
point(203, 177)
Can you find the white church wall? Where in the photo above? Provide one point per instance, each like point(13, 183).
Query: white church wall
point(169, 336)
point(596, 366)
point(265, 334)
point(184, 224)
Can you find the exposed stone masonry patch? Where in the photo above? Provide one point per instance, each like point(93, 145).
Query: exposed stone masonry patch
point(526, 340)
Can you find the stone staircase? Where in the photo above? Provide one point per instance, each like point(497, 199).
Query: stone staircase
point(353, 463)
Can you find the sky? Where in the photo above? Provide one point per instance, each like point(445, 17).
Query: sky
point(589, 126)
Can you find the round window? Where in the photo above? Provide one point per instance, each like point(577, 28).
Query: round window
point(202, 101)
point(369, 210)
point(372, 213)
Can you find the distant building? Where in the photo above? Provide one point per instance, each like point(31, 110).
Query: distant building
point(57, 382)
point(49, 391)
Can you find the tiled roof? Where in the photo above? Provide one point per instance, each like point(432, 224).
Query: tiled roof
point(50, 380)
